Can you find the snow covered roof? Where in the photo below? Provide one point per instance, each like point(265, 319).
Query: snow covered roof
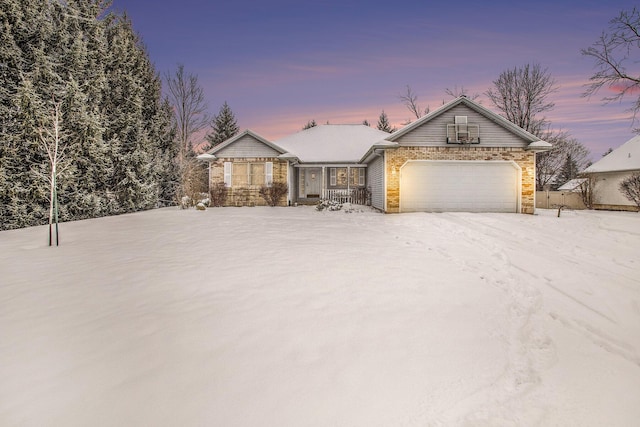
point(572, 184)
point(539, 146)
point(624, 158)
point(332, 143)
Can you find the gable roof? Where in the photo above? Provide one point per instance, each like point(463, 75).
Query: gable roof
point(572, 185)
point(250, 133)
point(498, 119)
point(332, 143)
point(624, 158)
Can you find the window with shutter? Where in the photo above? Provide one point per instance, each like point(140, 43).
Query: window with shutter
point(268, 173)
point(227, 174)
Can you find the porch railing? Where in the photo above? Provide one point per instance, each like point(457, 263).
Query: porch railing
point(358, 196)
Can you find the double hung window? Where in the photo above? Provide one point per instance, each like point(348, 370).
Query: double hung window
point(243, 174)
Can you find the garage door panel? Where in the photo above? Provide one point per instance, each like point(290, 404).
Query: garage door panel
point(441, 186)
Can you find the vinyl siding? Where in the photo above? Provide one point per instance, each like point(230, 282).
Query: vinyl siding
point(375, 180)
point(247, 146)
point(434, 132)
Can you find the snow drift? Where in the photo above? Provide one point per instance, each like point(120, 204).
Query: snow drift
point(289, 316)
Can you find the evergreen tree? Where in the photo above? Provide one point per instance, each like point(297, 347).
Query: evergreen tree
point(366, 122)
point(120, 143)
point(224, 126)
point(568, 171)
point(383, 123)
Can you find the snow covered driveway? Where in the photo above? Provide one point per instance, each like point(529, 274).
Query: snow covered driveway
point(293, 317)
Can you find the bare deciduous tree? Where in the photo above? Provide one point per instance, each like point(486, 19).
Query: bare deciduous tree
point(588, 190)
point(521, 96)
point(630, 188)
point(613, 53)
point(187, 98)
point(51, 143)
point(410, 100)
point(550, 163)
point(457, 92)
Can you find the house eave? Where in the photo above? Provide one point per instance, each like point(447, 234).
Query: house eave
point(539, 146)
point(377, 149)
point(206, 157)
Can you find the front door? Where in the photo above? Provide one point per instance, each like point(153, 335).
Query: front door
point(312, 182)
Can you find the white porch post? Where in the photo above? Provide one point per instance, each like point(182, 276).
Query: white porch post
point(324, 183)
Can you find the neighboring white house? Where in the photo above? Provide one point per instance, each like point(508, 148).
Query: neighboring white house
point(610, 171)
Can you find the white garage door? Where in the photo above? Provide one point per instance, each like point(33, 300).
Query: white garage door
point(459, 186)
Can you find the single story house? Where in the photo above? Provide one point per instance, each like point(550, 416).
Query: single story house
point(610, 171)
point(460, 157)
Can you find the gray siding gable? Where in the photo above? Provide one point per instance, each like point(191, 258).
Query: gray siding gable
point(434, 131)
point(246, 146)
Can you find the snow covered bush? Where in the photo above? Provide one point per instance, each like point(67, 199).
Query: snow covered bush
point(218, 194)
point(630, 188)
point(274, 193)
point(330, 205)
point(201, 207)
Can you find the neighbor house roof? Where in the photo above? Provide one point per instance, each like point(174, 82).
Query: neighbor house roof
point(572, 185)
point(332, 143)
point(624, 158)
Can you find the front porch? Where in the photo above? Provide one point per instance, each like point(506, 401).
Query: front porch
point(340, 183)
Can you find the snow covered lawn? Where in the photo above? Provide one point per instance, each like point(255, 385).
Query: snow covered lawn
point(293, 317)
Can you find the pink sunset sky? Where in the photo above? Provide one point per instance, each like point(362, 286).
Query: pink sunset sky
point(282, 63)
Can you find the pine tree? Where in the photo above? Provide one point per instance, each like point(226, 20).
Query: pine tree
point(131, 182)
point(120, 143)
point(383, 123)
point(224, 126)
point(568, 171)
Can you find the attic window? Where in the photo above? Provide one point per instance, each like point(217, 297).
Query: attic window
point(462, 132)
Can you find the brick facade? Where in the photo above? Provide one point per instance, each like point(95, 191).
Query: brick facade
point(398, 157)
point(248, 195)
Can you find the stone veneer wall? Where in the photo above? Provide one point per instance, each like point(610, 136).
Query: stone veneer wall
point(397, 157)
point(250, 194)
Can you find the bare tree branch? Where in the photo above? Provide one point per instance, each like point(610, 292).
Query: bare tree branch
point(462, 91)
point(410, 100)
point(521, 95)
point(187, 98)
point(614, 53)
